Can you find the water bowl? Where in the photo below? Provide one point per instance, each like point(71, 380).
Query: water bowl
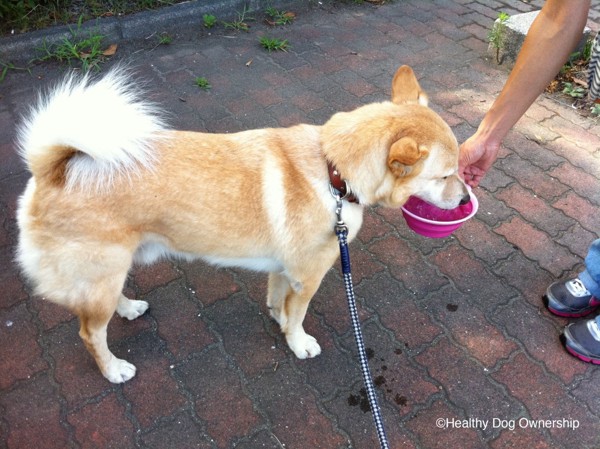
point(431, 221)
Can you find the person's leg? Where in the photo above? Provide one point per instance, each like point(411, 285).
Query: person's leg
point(591, 275)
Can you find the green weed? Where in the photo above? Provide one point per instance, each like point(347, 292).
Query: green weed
point(164, 38)
point(202, 83)
point(240, 24)
point(209, 20)
point(573, 91)
point(274, 44)
point(497, 35)
point(278, 18)
point(88, 51)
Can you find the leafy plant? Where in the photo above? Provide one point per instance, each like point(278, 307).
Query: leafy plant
point(24, 15)
point(274, 44)
point(573, 91)
point(18, 16)
point(596, 110)
point(240, 24)
point(87, 51)
point(497, 35)
point(164, 38)
point(278, 18)
point(209, 20)
point(202, 83)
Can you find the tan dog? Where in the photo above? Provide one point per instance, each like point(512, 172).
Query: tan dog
point(112, 186)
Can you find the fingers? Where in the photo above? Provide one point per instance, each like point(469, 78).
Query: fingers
point(472, 175)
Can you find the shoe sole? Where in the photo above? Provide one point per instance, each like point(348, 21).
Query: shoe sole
point(582, 357)
point(564, 314)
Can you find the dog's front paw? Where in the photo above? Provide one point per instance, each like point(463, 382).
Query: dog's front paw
point(304, 346)
point(119, 371)
point(131, 308)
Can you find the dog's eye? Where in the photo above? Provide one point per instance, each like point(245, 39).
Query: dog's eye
point(444, 178)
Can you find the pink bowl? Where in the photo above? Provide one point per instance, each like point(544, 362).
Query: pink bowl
point(431, 221)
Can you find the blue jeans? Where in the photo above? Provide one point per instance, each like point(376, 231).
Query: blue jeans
point(591, 275)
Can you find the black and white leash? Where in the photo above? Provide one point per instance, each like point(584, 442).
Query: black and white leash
point(594, 69)
point(341, 231)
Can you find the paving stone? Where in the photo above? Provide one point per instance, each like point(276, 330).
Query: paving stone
point(408, 267)
point(153, 393)
point(537, 245)
point(182, 432)
point(223, 405)
point(103, 425)
point(527, 382)
point(465, 319)
point(440, 426)
point(398, 312)
point(517, 319)
point(467, 383)
point(179, 320)
point(582, 183)
point(241, 327)
point(20, 354)
point(536, 210)
point(33, 415)
point(301, 424)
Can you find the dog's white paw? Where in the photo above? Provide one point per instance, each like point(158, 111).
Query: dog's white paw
point(119, 371)
point(304, 346)
point(131, 308)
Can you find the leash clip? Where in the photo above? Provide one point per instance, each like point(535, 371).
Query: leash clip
point(340, 226)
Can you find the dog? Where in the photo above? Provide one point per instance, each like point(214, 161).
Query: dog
point(113, 185)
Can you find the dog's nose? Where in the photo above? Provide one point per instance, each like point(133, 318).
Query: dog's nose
point(465, 199)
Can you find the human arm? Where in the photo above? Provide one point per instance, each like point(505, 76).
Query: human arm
point(551, 38)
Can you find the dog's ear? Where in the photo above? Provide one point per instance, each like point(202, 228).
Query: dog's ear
point(404, 154)
point(406, 88)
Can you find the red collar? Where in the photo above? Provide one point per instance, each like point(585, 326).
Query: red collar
point(340, 184)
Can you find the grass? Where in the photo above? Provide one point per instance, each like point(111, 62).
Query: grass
point(209, 20)
point(202, 83)
point(87, 51)
point(274, 44)
point(164, 38)
point(240, 24)
point(279, 18)
point(20, 16)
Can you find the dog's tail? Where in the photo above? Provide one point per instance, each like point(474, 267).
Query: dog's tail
point(85, 134)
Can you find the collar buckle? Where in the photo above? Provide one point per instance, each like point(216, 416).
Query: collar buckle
point(340, 189)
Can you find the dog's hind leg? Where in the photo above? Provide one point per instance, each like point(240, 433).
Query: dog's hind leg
point(94, 314)
point(130, 308)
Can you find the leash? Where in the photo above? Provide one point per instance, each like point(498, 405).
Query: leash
point(341, 231)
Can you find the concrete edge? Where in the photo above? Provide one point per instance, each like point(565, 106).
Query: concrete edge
point(25, 47)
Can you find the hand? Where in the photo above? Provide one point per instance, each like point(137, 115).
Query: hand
point(475, 159)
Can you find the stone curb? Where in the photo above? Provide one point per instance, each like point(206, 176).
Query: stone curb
point(140, 25)
point(515, 30)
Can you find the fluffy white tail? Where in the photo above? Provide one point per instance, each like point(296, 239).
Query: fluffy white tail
point(87, 133)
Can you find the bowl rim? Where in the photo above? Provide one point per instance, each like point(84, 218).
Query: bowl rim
point(474, 200)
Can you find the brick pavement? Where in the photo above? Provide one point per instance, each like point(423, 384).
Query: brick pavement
point(456, 327)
